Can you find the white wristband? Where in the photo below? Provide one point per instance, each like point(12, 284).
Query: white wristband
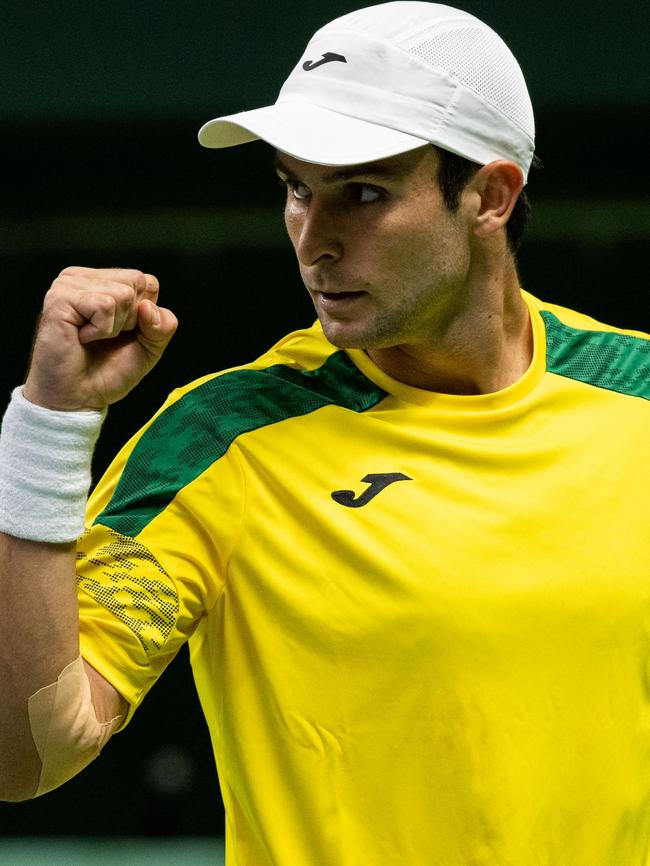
point(45, 458)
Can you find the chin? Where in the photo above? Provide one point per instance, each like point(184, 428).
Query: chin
point(346, 336)
point(354, 336)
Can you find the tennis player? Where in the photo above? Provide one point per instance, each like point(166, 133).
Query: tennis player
point(408, 546)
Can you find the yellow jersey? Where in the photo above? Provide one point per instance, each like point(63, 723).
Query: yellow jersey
point(419, 623)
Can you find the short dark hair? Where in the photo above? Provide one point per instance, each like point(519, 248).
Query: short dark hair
point(454, 172)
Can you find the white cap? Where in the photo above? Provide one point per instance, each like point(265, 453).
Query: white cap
point(390, 78)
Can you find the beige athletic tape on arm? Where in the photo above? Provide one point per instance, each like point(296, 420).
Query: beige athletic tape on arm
point(64, 727)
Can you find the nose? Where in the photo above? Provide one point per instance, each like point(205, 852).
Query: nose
point(315, 232)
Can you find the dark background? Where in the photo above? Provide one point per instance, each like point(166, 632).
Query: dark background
point(100, 104)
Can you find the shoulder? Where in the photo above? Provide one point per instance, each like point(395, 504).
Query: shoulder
point(582, 348)
point(300, 373)
point(198, 422)
point(582, 322)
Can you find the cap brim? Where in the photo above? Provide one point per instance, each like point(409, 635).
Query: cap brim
point(309, 133)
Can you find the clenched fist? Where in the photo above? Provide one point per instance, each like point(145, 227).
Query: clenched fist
point(100, 332)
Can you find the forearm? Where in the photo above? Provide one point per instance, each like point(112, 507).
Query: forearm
point(39, 636)
point(100, 332)
point(48, 726)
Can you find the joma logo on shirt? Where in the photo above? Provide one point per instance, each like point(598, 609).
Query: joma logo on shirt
point(377, 483)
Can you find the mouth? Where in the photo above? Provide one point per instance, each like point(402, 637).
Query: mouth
point(337, 300)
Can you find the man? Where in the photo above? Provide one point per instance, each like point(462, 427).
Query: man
point(409, 546)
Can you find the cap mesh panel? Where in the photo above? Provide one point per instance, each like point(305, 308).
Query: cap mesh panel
point(479, 60)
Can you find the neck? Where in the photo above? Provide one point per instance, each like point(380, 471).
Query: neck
point(482, 345)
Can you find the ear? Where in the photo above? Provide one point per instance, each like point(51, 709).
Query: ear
point(498, 185)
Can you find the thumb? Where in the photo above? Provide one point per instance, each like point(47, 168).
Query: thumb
point(157, 325)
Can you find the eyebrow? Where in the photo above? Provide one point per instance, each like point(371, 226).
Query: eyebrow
point(368, 169)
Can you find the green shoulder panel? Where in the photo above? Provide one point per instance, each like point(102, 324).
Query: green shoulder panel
point(606, 359)
point(196, 430)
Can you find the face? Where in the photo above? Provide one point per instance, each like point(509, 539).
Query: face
point(382, 257)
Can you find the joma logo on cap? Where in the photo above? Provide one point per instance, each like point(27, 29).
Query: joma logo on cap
point(328, 57)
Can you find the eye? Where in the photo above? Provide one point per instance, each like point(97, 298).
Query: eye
point(299, 190)
point(365, 193)
point(295, 188)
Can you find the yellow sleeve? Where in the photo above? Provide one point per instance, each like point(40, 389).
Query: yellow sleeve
point(152, 562)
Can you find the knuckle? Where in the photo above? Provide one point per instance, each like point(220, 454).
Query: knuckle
point(125, 295)
point(152, 283)
point(106, 304)
point(52, 296)
point(72, 271)
point(132, 277)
